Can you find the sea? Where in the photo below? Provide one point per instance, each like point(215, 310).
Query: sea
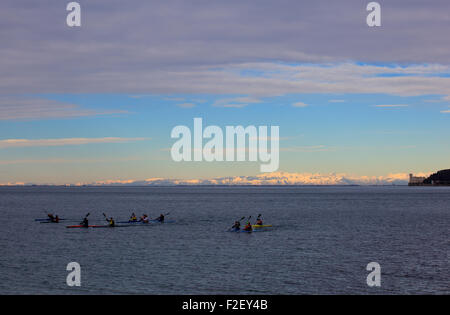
point(321, 241)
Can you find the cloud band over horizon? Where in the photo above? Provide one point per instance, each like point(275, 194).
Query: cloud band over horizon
point(16, 143)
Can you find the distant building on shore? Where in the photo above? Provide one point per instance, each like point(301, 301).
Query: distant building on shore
point(415, 180)
point(441, 178)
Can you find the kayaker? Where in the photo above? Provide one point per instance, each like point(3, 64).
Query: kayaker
point(53, 218)
point(161, 218)
point(248, 227)
point(85, 222)
point(133, 217)
point(144, 218)
point(259, 221)
point(237, 225)
point(111, 222)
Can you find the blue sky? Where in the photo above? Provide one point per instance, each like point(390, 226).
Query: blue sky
point(98, 103)
point(344, 133)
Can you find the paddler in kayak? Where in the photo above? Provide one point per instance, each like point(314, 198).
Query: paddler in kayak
point(53, 218)
point(111, 222)
point(133, 218)
point(248, 227)
point(160, 218)
point(236, 226)
point(259, 221)
point(144, 218)
point(85, 222)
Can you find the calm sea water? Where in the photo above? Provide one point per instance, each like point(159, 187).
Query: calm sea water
point(322, 240)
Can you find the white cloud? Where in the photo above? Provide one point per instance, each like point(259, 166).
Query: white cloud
point(140, 95)
point(269, 79)
point(69, 161)
point(311, 148)
point(237, 102)
point(36, 57)
point(439, 100)
point(186, 105)
point(391, 106)
point(300, 104)
point(178, 99)
point(15, 143)
point(25, 108)
point(274, 79)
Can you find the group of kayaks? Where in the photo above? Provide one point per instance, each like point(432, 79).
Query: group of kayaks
point(145, 220)
point(111, 223)
point(248, 227)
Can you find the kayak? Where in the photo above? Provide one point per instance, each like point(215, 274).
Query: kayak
point(239, 231)
point(256, 226)
point(131, 222)
point(96, 226)
point(150, 221)
point(165, 221)
point(115, 226)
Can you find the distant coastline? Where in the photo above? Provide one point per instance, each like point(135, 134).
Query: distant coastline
point(205, 185)
point(262, 179)
point(440, 178)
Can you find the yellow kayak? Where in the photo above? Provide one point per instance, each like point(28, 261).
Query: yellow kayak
point(260, 226)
